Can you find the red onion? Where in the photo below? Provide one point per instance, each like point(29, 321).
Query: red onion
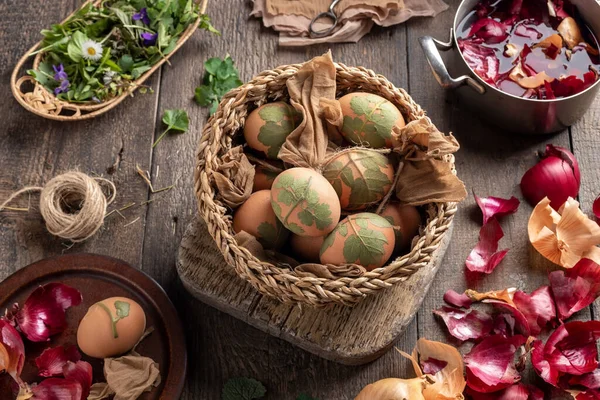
point(596, 207)
point(556, 176)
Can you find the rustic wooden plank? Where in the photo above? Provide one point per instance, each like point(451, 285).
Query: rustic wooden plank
point(254, 49)
point(586, 147)
point(36, 149)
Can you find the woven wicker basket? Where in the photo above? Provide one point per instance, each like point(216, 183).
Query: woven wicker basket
point(282, 282)
point(37, 99)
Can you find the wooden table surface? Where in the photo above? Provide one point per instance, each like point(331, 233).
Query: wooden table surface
point(33, 150)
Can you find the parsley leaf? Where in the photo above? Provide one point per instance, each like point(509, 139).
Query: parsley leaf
point(243, 389)
point(220, 76)
point(176, 120)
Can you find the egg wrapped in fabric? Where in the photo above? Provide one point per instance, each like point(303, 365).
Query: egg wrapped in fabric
point(256, 217)
point(305, 202)
point(369, 120)
point(365, 239)
point(111, 327)
point(269, 125)
point(306, 247)
point(263, 178)
point(406, 221)
point(360, 177)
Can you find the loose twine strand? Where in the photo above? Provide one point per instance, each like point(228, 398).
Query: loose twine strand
point(72, 204)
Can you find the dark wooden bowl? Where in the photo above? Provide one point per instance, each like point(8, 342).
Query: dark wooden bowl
point(99, 277)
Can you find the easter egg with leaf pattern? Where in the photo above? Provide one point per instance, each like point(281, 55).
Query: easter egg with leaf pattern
point(369, 120)
point(256, 217)
point(365, 239)
point(305, 202)
point(360, 177)
point(269, 125)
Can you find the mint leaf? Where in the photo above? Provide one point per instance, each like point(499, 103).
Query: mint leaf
point(243, 389)
point(176, 120)
point(122, 309)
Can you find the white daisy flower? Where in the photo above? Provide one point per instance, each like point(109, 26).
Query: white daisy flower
point(91, 50)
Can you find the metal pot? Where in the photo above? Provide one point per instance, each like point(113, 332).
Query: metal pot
point(503, 109)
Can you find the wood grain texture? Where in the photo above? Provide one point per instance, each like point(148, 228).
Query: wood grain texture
point(220, 346)
point(348, 335)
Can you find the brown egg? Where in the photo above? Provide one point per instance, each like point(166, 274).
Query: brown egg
point(365, 239)
point(369, 119)
point(99, 337)
point(268, 126)
point(256, 217)
point(263, 178)
point(306, 247)
point(305, 202)
point(361, 177)
point(406, 221)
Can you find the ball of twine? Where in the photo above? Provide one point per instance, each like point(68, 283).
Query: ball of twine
point(72, 204)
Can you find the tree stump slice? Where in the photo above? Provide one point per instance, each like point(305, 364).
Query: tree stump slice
point(347, 335)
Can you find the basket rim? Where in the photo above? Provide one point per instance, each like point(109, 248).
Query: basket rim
point(280, 282)
point(42, 93)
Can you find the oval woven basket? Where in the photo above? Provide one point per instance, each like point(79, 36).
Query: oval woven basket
point(37, 99)
point(279, 281)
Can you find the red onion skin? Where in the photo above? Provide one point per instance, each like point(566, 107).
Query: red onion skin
point(557, 177)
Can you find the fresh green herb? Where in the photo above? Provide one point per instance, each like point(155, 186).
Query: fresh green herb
point(122, 308)
point(176, 120)
point(304, 396)
point(220, 76)
point(243, 389)
point(206, 24)
point(98, 52)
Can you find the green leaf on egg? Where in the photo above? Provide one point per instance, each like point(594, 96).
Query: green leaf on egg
point(280, 121)
point(298, 193)
point(122, 308)
point(364, 246)
point(374, 121)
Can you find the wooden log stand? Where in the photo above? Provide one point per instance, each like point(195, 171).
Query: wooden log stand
point(350, 336)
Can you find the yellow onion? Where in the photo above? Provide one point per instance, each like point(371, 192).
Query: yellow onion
point(449, 382)
point(565, 236)
point(395, 389)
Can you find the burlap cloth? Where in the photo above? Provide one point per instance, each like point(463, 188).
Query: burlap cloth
point(356, 17)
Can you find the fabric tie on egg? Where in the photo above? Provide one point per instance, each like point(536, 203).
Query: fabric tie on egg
point(355, 17)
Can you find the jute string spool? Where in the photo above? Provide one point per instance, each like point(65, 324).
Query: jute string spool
point(72, 204)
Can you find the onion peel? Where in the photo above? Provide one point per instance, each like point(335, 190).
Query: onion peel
point(449, 381)
point(575, 288)
point(495, 207)
point(52, 360)
point(563, 237)
point(465, 325)
point(43, 314)
point(12, 351)
point(490, 364)
point(485, 257)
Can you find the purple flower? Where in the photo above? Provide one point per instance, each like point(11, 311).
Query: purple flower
point(142, 16)
point(59, 73)
point(149, 39)
point(64, 87)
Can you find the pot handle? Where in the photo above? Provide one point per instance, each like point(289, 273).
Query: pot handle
point(431, 48)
